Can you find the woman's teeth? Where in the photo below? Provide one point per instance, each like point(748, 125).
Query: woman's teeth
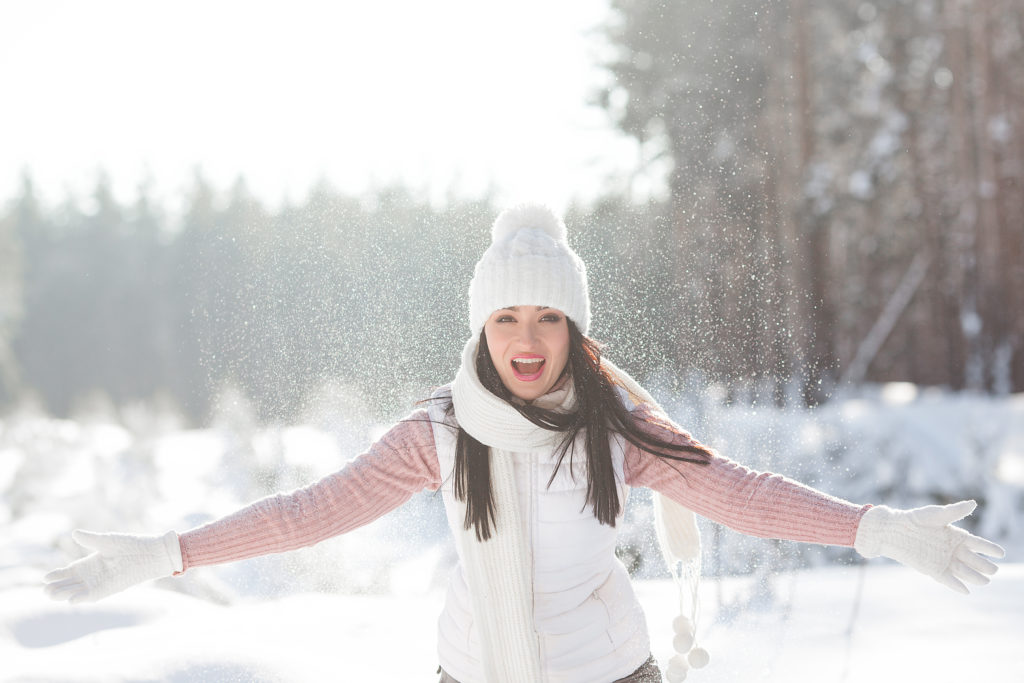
point(527, 366)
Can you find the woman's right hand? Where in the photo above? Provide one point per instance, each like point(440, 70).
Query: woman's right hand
point(118, 561)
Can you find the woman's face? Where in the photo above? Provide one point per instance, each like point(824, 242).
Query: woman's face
point(530, 347)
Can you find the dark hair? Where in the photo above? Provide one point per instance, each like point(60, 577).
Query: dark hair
point(599, 412)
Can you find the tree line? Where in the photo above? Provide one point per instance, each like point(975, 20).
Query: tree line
point(843, 203)
point(125, 301)
point(851, 170)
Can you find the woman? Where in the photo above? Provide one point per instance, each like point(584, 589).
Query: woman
point(534, 446)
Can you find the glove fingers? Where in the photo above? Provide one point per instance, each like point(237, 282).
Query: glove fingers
point(984, 546)
point(63, 590)
point(94, 541)
point(975, 561)
point(941, 515)
point(963, 572)
point(83, 595)
point(56, 585)
point(949, 581)
point(60, 574)
point(66, 594)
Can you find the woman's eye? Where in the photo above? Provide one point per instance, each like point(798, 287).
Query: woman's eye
point(552, 318)
point(504, 319)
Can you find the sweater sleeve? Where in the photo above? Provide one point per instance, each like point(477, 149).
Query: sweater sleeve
point(755, 503)
point(398, 465)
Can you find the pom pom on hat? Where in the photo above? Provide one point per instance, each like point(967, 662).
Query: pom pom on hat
point(532, 216)
point(529, 263)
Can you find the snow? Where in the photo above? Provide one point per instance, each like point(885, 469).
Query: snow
point(364, 606)
point(901, 628)
point(160, 635)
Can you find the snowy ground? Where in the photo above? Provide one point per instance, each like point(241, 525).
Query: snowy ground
point(363, 606)
point(902, 628)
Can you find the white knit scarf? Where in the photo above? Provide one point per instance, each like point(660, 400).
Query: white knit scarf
point(497, 571)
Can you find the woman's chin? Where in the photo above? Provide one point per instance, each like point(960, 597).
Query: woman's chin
point(527, 390)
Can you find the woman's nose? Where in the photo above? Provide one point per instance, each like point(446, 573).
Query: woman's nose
point(528, 334)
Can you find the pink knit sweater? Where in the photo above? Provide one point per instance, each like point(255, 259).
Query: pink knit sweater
point(404, 462)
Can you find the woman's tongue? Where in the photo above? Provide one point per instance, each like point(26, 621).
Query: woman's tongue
point(527, 367)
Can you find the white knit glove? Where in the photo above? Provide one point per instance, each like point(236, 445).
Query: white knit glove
point(924, 538)
point(119, 561)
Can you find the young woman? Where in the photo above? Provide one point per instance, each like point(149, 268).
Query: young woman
point(534, 446)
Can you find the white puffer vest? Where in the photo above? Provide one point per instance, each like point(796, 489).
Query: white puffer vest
point(589, 624)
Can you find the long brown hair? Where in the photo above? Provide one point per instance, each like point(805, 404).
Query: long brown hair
point(599, 412)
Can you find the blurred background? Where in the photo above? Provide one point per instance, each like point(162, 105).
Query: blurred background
point(782, 197)
point(236, 239)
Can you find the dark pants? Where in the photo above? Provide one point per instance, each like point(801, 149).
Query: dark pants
point(647, 673)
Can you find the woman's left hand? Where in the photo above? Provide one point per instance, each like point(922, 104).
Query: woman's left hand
point(924, 538)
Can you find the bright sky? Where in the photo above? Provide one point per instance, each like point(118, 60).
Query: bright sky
point(442, 95)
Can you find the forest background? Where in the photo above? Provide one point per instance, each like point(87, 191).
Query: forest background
point(844, 203)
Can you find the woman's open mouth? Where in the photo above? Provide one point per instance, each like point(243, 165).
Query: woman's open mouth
point(527, 368)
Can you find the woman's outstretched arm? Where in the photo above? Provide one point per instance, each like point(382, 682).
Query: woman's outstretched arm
point(759, 504)
point(773, 506)
point(398, 465)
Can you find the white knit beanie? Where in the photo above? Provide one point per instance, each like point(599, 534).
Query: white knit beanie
point(529, 263)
